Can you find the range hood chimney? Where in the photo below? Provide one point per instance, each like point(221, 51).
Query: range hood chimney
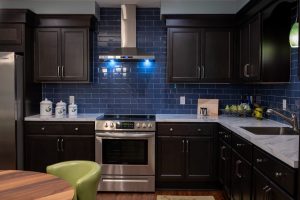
point(128, 50)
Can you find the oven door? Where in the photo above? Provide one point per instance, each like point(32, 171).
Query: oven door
point(126, 153)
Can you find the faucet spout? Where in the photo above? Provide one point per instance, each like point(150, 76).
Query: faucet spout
point(293, 121)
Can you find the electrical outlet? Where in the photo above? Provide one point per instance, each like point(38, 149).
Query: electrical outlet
point(284, 104)
point(182, 100)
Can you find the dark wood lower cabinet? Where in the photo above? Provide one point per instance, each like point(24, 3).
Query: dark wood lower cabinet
point(184, 160)
point(240, 178)
point(170, 159)
point(47, 143)
point(200, 158)
point(40, 152)
point(78, 148)
point(264, 189)
point(225, 167)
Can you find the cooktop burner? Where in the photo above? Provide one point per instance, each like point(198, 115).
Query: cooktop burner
point(128, 117)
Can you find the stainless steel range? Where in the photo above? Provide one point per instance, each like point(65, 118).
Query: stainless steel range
point(125, 148)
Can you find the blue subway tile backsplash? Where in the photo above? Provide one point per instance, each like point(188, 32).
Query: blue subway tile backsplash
point(142, 88)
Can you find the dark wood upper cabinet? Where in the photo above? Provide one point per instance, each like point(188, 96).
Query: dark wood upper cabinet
point(183, 54)
point(264, 45)
point(250, 50)
point(217, 55)
point(62, 48)
point(200, 53)
point(74, 54)
point(11, 34)
point(47, 54)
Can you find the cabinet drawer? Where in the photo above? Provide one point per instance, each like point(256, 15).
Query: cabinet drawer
point(38, 128)
point(241, 146)
point(277, 171)
point(79, 128)
point(183, 129)
point(59, 128)
point(224, 134)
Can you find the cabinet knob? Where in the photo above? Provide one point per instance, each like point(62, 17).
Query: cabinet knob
point(278, 174)
point(76, 129)
point(221, 132)
point(259, 160)
point(171, 129)
point(199, 130)
point(240, 145)
point(43, 128)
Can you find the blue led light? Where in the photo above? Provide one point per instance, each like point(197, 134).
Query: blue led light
point(147, 63)
point(112, 63)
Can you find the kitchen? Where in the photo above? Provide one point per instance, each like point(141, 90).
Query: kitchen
point(229, 52)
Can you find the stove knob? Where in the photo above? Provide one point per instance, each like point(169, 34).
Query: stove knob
point(112, 125)
point(149, 125)
point(138, 125)
point(144, 125)
point(106, 125)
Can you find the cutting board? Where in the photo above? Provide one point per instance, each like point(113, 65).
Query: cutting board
point(212, 106)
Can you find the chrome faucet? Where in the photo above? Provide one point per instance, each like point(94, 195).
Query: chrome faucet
point(291, 120)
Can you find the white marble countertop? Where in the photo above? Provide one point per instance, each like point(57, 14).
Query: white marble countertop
point(283, 147)
point(79, 118)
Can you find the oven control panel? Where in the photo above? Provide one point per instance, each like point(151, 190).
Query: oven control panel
point(125, 125)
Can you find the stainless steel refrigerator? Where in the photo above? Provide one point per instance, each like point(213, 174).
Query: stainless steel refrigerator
point(11, 111)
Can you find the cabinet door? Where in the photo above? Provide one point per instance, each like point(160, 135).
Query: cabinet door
point(184, 54)
point(74, 54)
point(250, 50)
point(263, 189)
point(77, 148)
point(244, 52)
point(225, 166)
point(255, 48)
point(170, 159)
point(200, 165)
point(217, 55)
point(12, 37)
point(41, 151)
point(47, 54)
point(241, 178)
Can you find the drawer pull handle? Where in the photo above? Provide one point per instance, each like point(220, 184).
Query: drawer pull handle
point(237, 168)
point(171, 129)
point(43, 128)
point(240, 145)
point(226, 136)
point(199, 130)
point(76, 129)
point(278, 174)
point(221, 132)
point(57, 145)
point(259, 160)
point(222, 153)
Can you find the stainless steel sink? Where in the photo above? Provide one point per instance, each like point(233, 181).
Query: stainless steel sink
point(271, 130)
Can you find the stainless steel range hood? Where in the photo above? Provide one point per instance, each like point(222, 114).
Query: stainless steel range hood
point(128, 50)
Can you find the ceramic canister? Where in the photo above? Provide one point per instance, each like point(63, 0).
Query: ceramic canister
point(72, 110)
point(46, 107)
point(59, 112)
point(63, 105)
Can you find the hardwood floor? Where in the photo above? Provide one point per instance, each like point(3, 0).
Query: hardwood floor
point(152, 196)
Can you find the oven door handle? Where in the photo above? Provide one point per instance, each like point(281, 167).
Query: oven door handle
point(125, 135)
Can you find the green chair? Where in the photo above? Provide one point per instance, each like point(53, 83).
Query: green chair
point(84, 177)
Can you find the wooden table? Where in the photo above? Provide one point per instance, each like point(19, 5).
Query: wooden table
point(27, 185)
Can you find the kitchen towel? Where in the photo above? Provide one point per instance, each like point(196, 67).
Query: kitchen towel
point(171, 197)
